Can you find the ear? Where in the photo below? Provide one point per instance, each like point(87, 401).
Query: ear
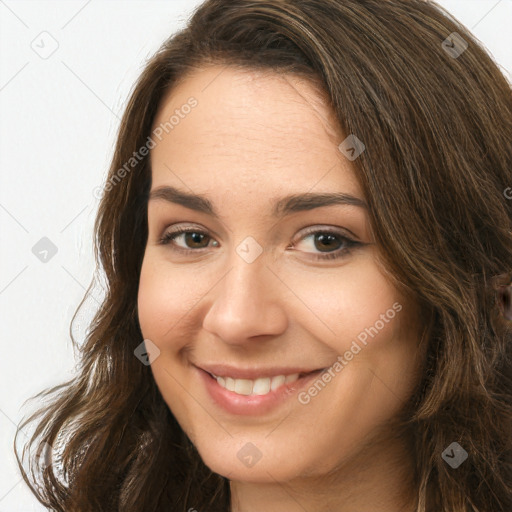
point(505, 300)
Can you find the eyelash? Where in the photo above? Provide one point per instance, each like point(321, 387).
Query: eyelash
point(168, 237)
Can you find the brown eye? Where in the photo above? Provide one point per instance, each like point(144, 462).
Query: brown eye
point(192, 238)
point(328, 244)
point(327, 241)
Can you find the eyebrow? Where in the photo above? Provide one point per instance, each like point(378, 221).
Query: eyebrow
point(284, 206)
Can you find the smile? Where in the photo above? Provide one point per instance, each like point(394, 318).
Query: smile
point(259, 386)
point(254, 396)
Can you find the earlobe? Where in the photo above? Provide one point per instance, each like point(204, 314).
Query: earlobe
point(503, 286)
point(505, 301)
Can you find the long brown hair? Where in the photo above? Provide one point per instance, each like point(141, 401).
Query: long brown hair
point(436, 126)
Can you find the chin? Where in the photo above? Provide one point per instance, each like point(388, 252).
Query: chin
point(228, 462)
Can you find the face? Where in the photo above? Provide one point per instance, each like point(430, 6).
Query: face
point(269, 281)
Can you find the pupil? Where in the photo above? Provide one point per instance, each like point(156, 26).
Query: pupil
point(322, 238)
point(196, 237)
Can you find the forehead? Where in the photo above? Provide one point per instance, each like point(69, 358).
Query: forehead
point(246, 126)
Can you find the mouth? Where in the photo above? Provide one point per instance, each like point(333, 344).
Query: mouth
point(254, 391)
point(255, 397)
point(259, 386)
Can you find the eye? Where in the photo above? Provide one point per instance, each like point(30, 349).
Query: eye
point(331, 243)
point(189, 235)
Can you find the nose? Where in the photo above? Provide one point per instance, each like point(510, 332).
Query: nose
point(246, 303)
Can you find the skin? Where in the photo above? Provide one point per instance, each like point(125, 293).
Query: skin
point(253, 138)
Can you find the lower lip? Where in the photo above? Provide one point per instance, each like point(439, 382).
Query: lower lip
point(253, 405)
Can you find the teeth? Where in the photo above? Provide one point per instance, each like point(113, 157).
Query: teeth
point(260, 386)
point(277, 382)
point(243, 386)
point(230, 384)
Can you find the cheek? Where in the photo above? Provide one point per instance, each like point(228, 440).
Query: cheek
point(166, 295)
point(151, 301)
point(352, 303)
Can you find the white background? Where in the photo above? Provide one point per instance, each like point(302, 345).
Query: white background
point(59, 117)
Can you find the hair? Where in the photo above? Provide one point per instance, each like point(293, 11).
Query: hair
point(437, 161)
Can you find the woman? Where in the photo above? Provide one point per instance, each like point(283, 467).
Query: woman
point(307, 241)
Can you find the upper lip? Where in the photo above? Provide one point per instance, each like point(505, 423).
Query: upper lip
point(223, 370)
